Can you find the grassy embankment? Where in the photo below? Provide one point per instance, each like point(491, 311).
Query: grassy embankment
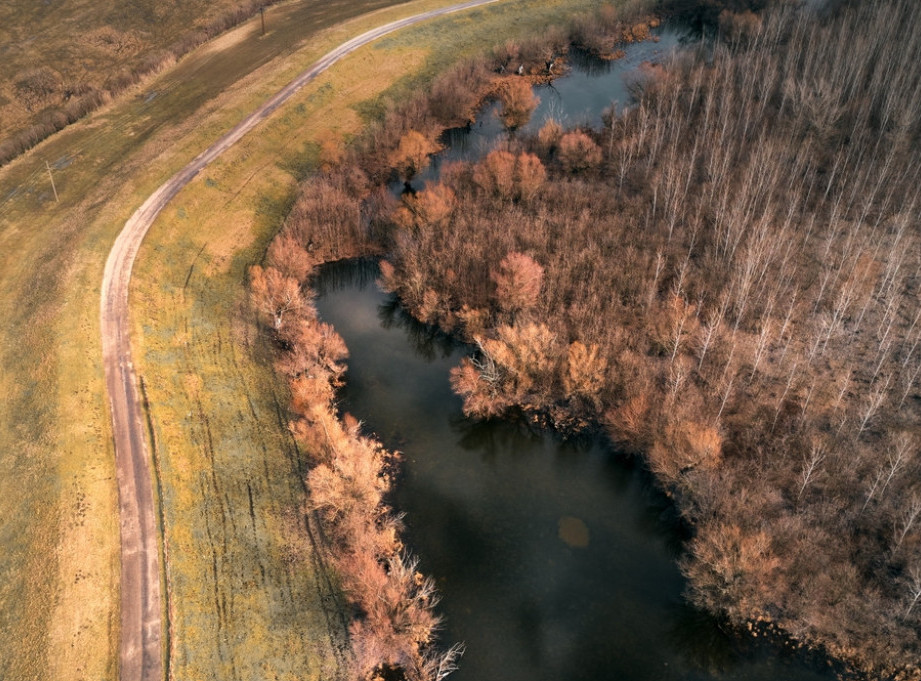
point(243, 603)
point(58, 596)
point(59, 536)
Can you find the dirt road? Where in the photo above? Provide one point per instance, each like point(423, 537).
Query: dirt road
point(141, 655)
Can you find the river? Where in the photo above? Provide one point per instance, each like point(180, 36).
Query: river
point(556, 560)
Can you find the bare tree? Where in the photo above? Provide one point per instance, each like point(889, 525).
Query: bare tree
point(905, 521)
point(913, 582)
point(274, 295)
point(811, 468)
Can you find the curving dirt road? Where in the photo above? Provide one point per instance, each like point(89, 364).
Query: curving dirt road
point(141, 656)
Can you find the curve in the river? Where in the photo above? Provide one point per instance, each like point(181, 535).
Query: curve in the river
point(141, 627)
point(555, 561)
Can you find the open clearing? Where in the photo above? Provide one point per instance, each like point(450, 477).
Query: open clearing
point(247, 600)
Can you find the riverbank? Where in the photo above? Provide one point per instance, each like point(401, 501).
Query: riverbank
point(555, 557)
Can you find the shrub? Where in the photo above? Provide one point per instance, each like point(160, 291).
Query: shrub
point(411, 156)
point(36, 87)
point(579, 152)
point(518, 102)
point(518, 281)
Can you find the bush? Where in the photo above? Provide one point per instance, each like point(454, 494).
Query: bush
point(578, 152)
point(518, 102)
point(412, 154)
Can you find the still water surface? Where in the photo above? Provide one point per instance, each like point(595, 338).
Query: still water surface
point(555, 560)
point(590, 87)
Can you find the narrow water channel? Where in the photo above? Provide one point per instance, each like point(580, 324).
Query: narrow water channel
point(555, 560)
point(579, 98)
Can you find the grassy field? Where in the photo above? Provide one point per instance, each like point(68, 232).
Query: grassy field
point(59, 535)
point(68, 57)
point(247, 600)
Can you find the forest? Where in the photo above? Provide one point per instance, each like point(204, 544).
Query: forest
point(724, 280)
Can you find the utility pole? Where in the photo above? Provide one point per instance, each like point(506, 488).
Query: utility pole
point(51, 177)
point(262, 16)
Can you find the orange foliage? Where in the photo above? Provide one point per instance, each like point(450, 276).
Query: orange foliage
point(286, 255)
point(518, 282)
point(495, 174)
point(629, 422)
point(528, 355)
point(585, 371)
point(685, 446)
point(530, 175)
point(388, 280)
point(518, 102)
point(326, 221)
point(315, 348)
point(549, 135)
point(275, 296)
point(507, 176)
point(427, 208)
point(309, 390)
point(474, 320)
point(481, 393)
point(734, 567)
point(578, 152)
point(412, 155)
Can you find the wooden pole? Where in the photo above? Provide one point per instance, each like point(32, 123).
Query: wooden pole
point(53, 188)
point(262, 15)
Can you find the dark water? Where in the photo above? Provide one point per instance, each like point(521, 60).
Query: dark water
point(556, 560)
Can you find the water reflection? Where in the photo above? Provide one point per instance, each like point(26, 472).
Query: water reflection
point(429, 342)
point(594, 85)
point(487, 506)
point(573, 532)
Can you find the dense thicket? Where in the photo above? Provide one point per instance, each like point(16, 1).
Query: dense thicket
point(349, 479)
point(725, 278)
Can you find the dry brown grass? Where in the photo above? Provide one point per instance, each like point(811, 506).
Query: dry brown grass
point(61, 64)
